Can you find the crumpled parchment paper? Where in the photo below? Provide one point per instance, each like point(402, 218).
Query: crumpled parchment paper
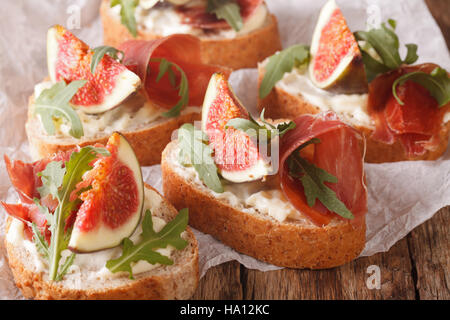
point(401, 195)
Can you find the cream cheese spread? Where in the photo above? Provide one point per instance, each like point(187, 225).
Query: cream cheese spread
point(135, 112)
point(351, 107)
point(164, 21)
point(94, 263)
point(252, 197)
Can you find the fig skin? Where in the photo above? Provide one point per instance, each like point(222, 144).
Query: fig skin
point(124, 144)
point(352, 80)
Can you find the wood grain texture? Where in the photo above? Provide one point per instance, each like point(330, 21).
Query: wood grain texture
point(345, 282)
point(429, 246)
point(221, 282)
point(417, 267)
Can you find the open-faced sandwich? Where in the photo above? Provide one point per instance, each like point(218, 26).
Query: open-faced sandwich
point(309, 214)
point(233, 33)
point(144, 89)
point(403, 110)
point(87, 227)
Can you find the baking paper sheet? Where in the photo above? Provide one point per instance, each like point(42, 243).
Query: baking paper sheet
point(401, 195)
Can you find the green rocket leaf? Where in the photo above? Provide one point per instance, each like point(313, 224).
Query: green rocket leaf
point(99, 52)
point(313, 180)
point(384, 41)
point(194, 148)
point(281, 63)
point(437, 83)
point(53, 103)
point(60, 181)
point(228, 10)
point(170, 234)
point(165, 66)
point(127, 9)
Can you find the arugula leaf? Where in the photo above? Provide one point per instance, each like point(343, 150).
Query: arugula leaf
point(228, 10)
point(385, 43)
point(284, 127)
point(127, 14)
point(252, 127)
point(195, 151)
point(60, 182)
point(170, 234)
point(99, 52)
point(437, 83)
point(280, 63)
point(313, 180)
point(53, 103)
point(165, 66)
point(39, 241)
point(52, 177)
point(65, 266)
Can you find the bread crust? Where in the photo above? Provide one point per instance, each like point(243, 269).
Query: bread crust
point(281, 104)
point(242, 52)
point(181, 284)
point(147, 143)
point(286, 244)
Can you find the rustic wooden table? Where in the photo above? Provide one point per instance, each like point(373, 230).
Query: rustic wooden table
point(417, 267)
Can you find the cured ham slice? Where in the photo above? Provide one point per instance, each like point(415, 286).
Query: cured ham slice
point(338, 153)
point(197, 16)
point(27, 214)
point(415, 124)
point(184, 50)
point(24, 178)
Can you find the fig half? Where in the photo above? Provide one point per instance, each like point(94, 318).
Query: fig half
point(112, 207)
point(336, 62)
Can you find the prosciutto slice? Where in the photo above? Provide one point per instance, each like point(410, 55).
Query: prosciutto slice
point(197, 16)
point(338, 153)
point(183, 50)
point(416, 124)
point(25, 180)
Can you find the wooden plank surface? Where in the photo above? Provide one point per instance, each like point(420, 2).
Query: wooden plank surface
point(417, 267)
point(429, 246)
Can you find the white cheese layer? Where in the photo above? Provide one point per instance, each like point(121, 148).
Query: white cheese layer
point(351, 107)
point(252, 197)
point(164, 21)
point(134, 113)
point(94, 263)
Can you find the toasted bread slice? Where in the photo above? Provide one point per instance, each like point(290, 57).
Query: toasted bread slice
point(177, 281)
point(148, 141)
point(242, 52)
point(291, 243)
point(281, 104)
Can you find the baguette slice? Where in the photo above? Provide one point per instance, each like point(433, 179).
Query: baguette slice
point(177, 281)
point(281, 104)
point(242, 52)
point(292, 243)
point(148, 141)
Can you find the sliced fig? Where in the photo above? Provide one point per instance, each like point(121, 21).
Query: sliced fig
point(235, 153)
point(69, 59)
point(336, 61)
point(112, 207)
